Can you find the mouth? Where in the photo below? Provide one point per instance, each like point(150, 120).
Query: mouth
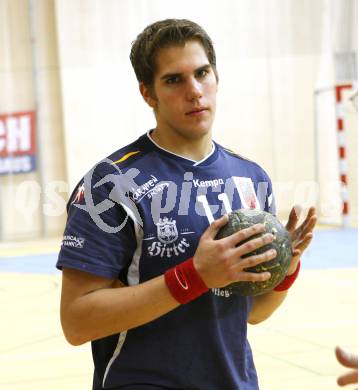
point(197, 111)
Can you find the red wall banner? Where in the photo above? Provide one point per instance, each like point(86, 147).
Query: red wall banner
point(17, 142)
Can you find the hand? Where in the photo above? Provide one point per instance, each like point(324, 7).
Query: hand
point(302, 235)
point(347, 360)
point(221, 262)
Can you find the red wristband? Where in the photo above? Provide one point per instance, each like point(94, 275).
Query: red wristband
point(184, 282)
point(289, 280)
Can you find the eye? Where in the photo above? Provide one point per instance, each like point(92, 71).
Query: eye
point(172, 80)
point(202, 73)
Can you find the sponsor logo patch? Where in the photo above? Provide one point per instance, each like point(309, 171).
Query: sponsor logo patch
point(169, 241)
point(247, 193)
point(167, 231)
point(221, 292)
point(208, 183)
point(73, 241)
point(80, 194)
point(148, 189)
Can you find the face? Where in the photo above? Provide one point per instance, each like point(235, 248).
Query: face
point(185, 87)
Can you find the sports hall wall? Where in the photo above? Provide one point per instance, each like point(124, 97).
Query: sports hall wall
point(31, 203)
point(67, 61)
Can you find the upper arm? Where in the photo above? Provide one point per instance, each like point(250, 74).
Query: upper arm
point(76, 284)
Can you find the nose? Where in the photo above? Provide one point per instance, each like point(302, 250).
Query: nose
point(194, 89)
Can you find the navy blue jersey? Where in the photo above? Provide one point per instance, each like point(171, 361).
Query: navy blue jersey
point(140, 212)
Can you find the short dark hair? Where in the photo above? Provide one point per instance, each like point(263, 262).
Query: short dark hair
point(161, 34)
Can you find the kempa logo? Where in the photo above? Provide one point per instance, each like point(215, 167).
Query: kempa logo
point(208, 183)
point(73, 241)
point(168, 234)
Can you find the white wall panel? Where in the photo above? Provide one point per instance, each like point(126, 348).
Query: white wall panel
point(19, 215)
point(272, 55)
point(244, 119)
point(30, 204)
point(47, 89)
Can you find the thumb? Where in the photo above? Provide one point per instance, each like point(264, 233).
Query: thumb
point(215, 226)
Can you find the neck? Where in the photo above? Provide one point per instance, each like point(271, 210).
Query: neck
point(193, 148)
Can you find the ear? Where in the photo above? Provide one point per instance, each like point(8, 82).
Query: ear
point(147, 95)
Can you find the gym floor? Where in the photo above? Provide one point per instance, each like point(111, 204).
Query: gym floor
point(294, 349)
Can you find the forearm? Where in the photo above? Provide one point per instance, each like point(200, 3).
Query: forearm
point(264, 305)
point(112, 310)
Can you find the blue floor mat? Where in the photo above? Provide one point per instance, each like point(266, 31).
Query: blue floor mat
point(329, 249)
point(36, 264)
point(332, 249)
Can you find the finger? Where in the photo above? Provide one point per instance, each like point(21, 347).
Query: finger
point(244, 276)
point(299, 243)
point(254, 260)
point(307, 225)
point(254, 244)
point(304, 229)
point(244, 234)
point(215, 226)
point(347, 359)
point(311, 212)
point(293, 217)
point(349, 378)
point(304, 243)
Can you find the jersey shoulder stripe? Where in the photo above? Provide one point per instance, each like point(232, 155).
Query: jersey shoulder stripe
point(128, 155)
point(125, 157)
point(249, 162)
point(232, 153)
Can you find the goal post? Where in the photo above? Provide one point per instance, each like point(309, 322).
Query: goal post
point(334, 105)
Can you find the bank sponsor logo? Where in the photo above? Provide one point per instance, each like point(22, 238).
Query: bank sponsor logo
point(221, 292)
point(169, 241)
point(148, 189)
point(73, 241)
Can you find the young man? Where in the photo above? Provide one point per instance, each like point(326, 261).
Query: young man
point(143, 277)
